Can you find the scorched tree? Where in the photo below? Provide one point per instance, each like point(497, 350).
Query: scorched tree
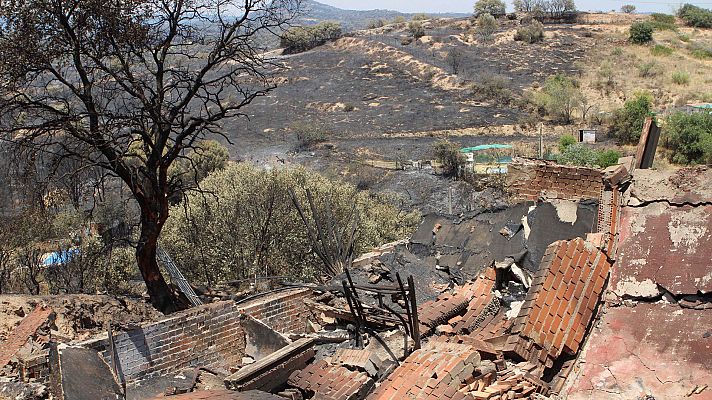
point(131, 86)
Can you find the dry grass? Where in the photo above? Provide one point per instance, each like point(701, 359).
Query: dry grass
point(620, 62)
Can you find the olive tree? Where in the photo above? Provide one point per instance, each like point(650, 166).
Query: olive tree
point(130, 86)
point(492, 7)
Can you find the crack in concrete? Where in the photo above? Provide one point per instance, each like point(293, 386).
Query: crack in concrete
point(645, 203)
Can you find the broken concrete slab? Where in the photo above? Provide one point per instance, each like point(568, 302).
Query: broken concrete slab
point(272, 371)
point(84, 376)
point(260, 339)
point(656, 350)
point(664, 246)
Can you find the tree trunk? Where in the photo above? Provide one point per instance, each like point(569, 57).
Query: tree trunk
point(161, 295)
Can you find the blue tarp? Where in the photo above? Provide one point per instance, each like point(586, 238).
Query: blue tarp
point(60, 257)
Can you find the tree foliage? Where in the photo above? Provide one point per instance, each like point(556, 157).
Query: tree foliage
point(448, 154)
point(492, 7)
point(582, 155)
point(628, 8)
point(688, 137)
point(302, 38)
point(560, 97)
point(130, 86)
point(251, 227)
point(695, 16)
point(628, 121)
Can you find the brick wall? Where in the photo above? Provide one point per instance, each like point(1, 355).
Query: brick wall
point(202, 336)
point(283, 311)
point(530, 179)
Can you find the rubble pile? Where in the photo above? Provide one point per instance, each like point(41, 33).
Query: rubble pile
point(441, 316)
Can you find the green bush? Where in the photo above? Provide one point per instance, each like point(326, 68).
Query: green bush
point(486, 26)
point(566, 141)
point(492, 7)
point(308, 135)
point(681, 77)
point(606, 158)
point(530, 33)
point(628, 121)
point(649, 69)
point(448, 154)
point(582, 155)
point(660, 50)
point(303, 38)
point(641, 33)
point(375, 24)
point(684, 37)
point(493, 87)
point(617, 51)
point(695, 16)
point(416, 28)
point(249, 226)
point(688, 137)
point(420, 17)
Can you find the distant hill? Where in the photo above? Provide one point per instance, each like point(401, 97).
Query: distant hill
point(350, 20)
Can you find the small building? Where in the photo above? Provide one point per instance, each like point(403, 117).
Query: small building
point(587, 135)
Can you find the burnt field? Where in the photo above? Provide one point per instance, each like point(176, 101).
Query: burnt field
point(372, 87)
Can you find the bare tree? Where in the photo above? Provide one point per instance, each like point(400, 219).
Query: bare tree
point(130, 86)
point(334, 244)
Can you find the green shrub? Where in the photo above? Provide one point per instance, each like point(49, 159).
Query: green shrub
point(566, 141)
point(681, 77)
point(606, 158)
point(688, 137)
point(486, 26)
point(649, 69)
point(420, 17)
point(399, 20)
point(249, 225)
point(303, 38)
point(582, 155)
point(700, 51)
point(628, 121)
point(617, 52)
point(684, 37)
point(308, 135)
point(416, 29)
point(641, 33)
point(530, 33)
point(695, 16)
point(448, 154)
point(660, 50)
point(493, 87)
point(492, 7)
point(375, 24)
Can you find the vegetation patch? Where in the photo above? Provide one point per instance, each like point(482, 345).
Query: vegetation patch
point(661, 50)
point(530, 33)
point(303, 38)
point(681, 77)
point(663, 22)
point(697, 17)
point(628, 121)
point(688, 137)
point(640, 33)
